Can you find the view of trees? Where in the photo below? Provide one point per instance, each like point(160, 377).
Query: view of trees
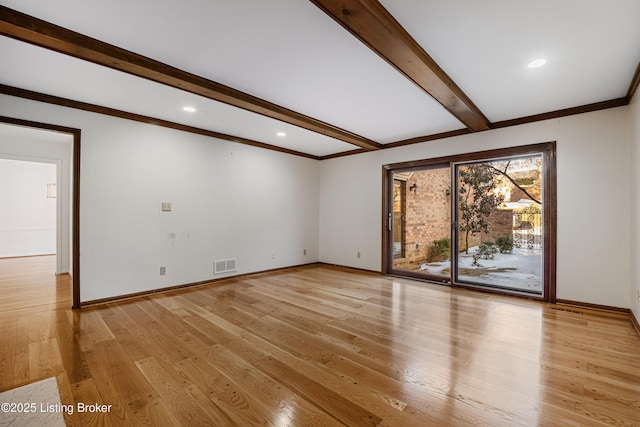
point(476, 199)
point(479, 190)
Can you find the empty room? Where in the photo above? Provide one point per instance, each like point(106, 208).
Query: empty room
point(320, 213)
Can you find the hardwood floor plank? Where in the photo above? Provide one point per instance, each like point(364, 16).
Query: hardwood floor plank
point(40, 327)
point(320, 357)
point(8, 354)
point(86, 392)
point(288, 407)
point(232, 401)
point(153, 335)
point(341, 408)
point(174, 322)
point(71, 355)
point(381, 379)
point(213, 411)
point(553, 416)
point(160, 415)
point(173, 394)
point(21, 371)
point(92, 329)
point(30, 282)
point(320, 346)
point(251, 348)
point(120, 383)
point(128, 333)
point(44, 359)
point(66, 398)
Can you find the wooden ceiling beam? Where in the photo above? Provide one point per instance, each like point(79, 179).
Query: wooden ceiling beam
point(374, 26)
point(32, 30)
point(633, 86)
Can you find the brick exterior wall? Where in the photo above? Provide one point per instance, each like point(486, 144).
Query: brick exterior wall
point(427, 215)
point(427, 218)
point(500, 224)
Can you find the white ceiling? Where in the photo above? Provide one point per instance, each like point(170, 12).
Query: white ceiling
point(290, 53)
point(592, 49)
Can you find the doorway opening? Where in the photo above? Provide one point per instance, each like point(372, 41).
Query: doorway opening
point(39, 143)
point(482, 220)
point(28, 218)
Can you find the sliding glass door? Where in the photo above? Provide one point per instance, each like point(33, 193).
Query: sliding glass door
point(421, 222)
point(499, 207)
point(482, 220)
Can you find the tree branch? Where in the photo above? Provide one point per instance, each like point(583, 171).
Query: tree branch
point(504, 173)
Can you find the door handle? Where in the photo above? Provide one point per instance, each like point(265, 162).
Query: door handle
point(390, 221)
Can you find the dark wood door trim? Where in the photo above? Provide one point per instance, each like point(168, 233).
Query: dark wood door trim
point(548, 150)
point(387, 209)
point(75, 195)
point(374, 26)
point(32, 30)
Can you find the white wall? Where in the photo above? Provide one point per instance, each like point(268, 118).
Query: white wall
point(27, 215)
point(229, 201)
point(593, 200)
point(45, 147)
point(634, 121)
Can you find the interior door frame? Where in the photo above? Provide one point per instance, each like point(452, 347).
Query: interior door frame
point(75, 195)
point(548, 151)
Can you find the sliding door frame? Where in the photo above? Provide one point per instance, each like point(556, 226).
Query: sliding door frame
point(548, 152)
point(387, 210)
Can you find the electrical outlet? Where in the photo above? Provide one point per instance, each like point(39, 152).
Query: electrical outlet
point(166, 207)
point(163, 271)
point(358, 254)
point(638, 294)
point(273, 255)
point(304, 252)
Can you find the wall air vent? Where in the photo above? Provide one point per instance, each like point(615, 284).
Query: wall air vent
point(224, 266)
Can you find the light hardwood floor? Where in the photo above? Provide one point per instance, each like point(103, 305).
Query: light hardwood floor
point(323, 346)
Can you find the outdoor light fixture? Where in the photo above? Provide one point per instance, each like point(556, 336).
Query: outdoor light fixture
point(413, 187)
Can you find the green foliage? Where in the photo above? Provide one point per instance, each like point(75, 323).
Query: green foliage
point(524, 181)
point(476, 199)
point(440, 250)
point(533, 209)
point(505, 245)
point(485, 251)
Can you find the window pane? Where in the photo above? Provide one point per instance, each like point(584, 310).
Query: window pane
point(500, 232)
point(422, 222)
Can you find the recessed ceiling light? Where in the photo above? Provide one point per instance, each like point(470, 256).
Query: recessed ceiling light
point(537, 63)
point(189, 109)
point(281, 134)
